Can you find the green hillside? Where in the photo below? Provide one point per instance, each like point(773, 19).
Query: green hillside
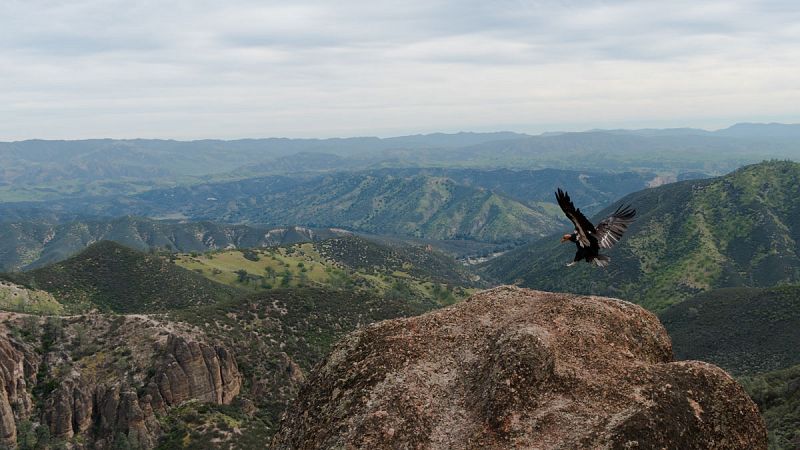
point(350, 264)
point(753, 333)
point(534, 188)
point(14, 297)
point(110, 277)
point(743, 330)
point(36, 234)
point(741, 229)
point(30, 244)
point(420, 262)
point(418, 206)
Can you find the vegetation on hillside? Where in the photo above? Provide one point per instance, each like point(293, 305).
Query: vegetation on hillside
point(419, 206)
point(41, 170)
point(31, 244)
point(742, 330)
point(777, 395)
point(276, 334)
point(14, 297)
point(741, 229)
point(352, 264)
point(281, 333)
point(110, 277)
point(716, 258)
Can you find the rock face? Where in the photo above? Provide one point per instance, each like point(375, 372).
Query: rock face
point(100, 396)
point(194, 370)
point(513, 368)
point(18, 368)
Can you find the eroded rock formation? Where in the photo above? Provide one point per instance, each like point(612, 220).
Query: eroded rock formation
point(514, 368)
point(18, 367)
point(101, 395)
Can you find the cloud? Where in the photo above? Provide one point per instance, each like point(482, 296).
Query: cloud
point(198, 68)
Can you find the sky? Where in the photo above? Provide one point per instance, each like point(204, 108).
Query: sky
point(195, 69)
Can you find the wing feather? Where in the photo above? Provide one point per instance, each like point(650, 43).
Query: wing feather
point(611, 229)
point(582, 225)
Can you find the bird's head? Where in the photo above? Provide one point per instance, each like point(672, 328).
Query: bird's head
point(566, 238)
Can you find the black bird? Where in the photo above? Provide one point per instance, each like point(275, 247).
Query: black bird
point(590, 239)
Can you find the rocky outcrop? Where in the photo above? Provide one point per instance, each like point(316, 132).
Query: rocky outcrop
point(18, 368)
point(109, 393)
point(195, 370)
point(514, 368)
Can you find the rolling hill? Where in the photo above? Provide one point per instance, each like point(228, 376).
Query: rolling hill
point(351, 264)
point(418, 206)
point(741, 229)
point(45, 169)
point(32, 244)
point(499, 205)
point(621, 150)
point(114, 278)
point(42, 169)
point(14, 297)
point(535, 187)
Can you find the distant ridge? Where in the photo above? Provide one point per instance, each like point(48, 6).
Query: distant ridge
point(34, 243)
point(761, 130)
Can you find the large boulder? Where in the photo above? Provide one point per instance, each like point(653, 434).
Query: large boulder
point(515, 368)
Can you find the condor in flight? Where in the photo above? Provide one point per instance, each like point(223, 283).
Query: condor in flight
point(590, 239)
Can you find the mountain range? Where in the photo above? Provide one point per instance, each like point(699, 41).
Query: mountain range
point(38, 170)
point(165, 294)
point(483, 205)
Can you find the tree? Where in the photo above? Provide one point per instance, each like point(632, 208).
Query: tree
point(243, 275)
point(26, 435)
point(121, 442)
point(42, 436)
point(287, 278)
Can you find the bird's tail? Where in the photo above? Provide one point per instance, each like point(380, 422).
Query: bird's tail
point(601, 260)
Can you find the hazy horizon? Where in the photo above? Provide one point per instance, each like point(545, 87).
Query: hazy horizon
point(390, 136)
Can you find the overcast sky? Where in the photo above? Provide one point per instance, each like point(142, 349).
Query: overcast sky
point(228, 69)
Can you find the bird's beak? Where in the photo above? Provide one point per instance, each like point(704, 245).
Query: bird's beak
point(565, 238)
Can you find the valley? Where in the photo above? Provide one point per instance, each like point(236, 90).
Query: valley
point(533, 225)
point(264, 271)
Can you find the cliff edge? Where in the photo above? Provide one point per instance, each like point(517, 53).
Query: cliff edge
point(516, 368)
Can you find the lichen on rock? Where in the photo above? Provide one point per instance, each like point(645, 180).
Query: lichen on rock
point(515, 368)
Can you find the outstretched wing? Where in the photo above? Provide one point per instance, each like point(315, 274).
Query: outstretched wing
point(582, 225)
point(610, 229)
